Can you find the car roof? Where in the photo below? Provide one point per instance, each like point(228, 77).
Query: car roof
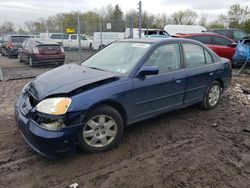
point(230, 29)
point(18, 35)
point(202, 34)
point(43, 42)
point(155, 40)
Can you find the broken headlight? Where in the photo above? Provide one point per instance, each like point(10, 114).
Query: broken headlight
point(54, 106)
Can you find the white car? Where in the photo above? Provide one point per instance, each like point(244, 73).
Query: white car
point(102, 39)
point(71, 40)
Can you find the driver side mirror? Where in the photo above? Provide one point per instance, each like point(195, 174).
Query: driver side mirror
point(148, 70)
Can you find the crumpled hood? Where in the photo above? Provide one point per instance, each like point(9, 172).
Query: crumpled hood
point(65, 79)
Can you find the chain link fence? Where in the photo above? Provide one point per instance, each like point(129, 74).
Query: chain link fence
point(33, 40)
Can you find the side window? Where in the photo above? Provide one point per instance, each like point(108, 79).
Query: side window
point(221, 41)
point(208, 57)
point(82, 37)
point(29, 45)
point(203, 39)
point(194, 55)
point(239, 34)
point(166, 57)
point(73, 37)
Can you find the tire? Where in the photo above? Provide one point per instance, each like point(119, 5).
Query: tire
point(31, 62)
point(90, 46)
point(235, 64)
point(102, 131)
point(212, 96)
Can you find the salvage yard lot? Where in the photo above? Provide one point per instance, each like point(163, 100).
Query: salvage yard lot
point(185, 148)
point(12, 69)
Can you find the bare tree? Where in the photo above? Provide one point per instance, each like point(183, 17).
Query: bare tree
point(186, 17)
point(7, 27)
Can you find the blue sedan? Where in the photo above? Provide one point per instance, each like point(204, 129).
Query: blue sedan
point(89, 104)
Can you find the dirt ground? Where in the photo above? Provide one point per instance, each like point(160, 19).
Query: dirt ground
point(185, 148)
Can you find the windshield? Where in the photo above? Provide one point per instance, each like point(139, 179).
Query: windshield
point(118, 57)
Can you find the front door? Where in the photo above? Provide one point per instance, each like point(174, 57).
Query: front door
point(162, 92)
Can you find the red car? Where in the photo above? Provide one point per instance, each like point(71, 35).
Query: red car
point(37, 51)
point(222, 46)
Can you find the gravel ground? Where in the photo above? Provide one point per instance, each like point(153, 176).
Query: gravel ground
point(185, 148)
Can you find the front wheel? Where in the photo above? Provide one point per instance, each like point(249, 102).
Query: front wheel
point(212, 96)
point(102, 131)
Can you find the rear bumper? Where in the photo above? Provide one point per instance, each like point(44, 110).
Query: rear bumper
point(57, 58)
point(51, 144)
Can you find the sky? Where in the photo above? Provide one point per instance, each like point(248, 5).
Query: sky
point(18, 11)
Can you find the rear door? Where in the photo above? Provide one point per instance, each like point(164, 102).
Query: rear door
point(200, 72)
point(27, 50)
point(222, 46)
point(21, 52)
point(162, 92)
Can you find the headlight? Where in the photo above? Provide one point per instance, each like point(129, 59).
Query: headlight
point(54, 106)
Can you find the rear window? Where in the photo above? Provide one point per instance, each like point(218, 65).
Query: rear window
point(58, 36)
point(19, 39)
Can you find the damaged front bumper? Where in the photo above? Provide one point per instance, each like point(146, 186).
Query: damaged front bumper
point(48, 143)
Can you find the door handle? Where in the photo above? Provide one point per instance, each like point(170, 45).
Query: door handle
point(178, 81)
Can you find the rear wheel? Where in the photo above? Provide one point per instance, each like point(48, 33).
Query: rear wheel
point(212, 96)
point(102, 131)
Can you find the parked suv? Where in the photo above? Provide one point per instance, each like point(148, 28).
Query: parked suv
point(234, 34)
point(221, 45)
point(36, 51)
point(11, 43)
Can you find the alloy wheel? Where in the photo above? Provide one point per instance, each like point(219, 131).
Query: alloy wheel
point(100, 131)
point(214, 95)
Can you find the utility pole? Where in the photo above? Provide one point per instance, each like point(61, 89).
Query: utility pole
point(79, 34)
point(139, 18)
point(131, 34)
point(101, 29)
point(61, 28)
